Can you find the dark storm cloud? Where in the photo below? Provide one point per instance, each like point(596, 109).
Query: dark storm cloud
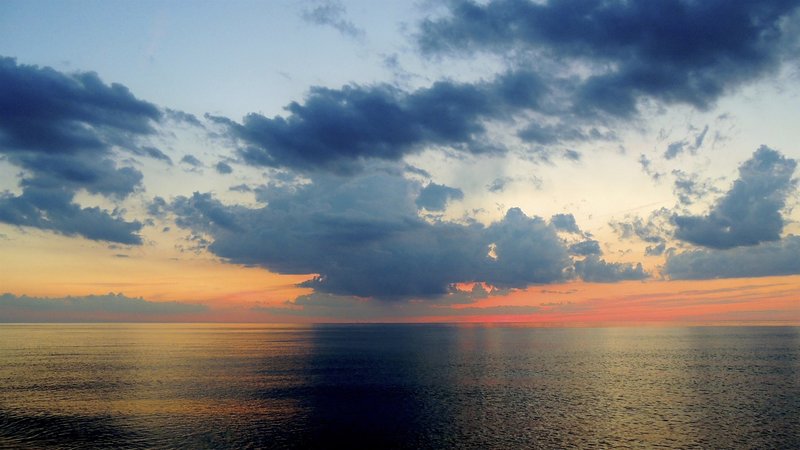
point(766, 259)
point(61, 129)
point(24, 308)
point(337, 128)
point(434, 197)
point(595, 270)
point(750, 212)
point(673, 51)
point(364, 237)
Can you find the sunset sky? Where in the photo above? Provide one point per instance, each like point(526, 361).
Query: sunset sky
point(565, 163)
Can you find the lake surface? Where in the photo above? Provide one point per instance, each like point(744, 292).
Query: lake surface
point(397, 386)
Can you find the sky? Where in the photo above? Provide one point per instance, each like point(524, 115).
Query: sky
point(564, 163)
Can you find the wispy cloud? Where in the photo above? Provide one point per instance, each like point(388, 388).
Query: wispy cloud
point(333, 13)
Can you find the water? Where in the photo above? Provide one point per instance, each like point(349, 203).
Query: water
point(397, 386)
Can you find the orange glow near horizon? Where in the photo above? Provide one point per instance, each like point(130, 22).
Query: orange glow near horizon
point(63, 267)
point(769, 300)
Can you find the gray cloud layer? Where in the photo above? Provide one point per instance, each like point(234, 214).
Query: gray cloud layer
point(61, 130)
point(766, 259)
point(673, 51)
point(434, 197)
point(750, 212)
point(667, 51)
point(594, 269)
point(364, 237)
point(334, 129)
point(102, 307)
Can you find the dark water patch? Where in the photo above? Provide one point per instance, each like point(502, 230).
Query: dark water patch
point(20, 430)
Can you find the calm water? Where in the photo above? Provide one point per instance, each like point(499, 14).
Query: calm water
point(397, 386)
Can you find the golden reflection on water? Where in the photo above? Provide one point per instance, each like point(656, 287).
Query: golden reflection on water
point(178, 373)
point(405, 386)
point(624, 387)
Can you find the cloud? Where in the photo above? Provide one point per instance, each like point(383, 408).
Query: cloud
point(655, 250)
point(157, 208)
point(191, 160)
point(676, 148)
point(223, 168)
point(416, 171)
point(91, 307)
point(61, 129)
point(750, 212)
point(183, 117)
point(565, 222)
point(646, 164)
point(154, 153)
point(333, 13)
point(82, 171)
point(554, 134)
point(586, 248)
point(48, 112)
point(689, 188)
point(240, 188)
point(499, 184)
point(672, 51)
point(434, 197)
point(700, 137)
point(363, 236)
point(765, 259)
point(596, 270)
point(337, 129)
point(54, 210)
point(654, 230)
point(618, 54)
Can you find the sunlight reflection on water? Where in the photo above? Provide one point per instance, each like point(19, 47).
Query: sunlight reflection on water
point(397, 386)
